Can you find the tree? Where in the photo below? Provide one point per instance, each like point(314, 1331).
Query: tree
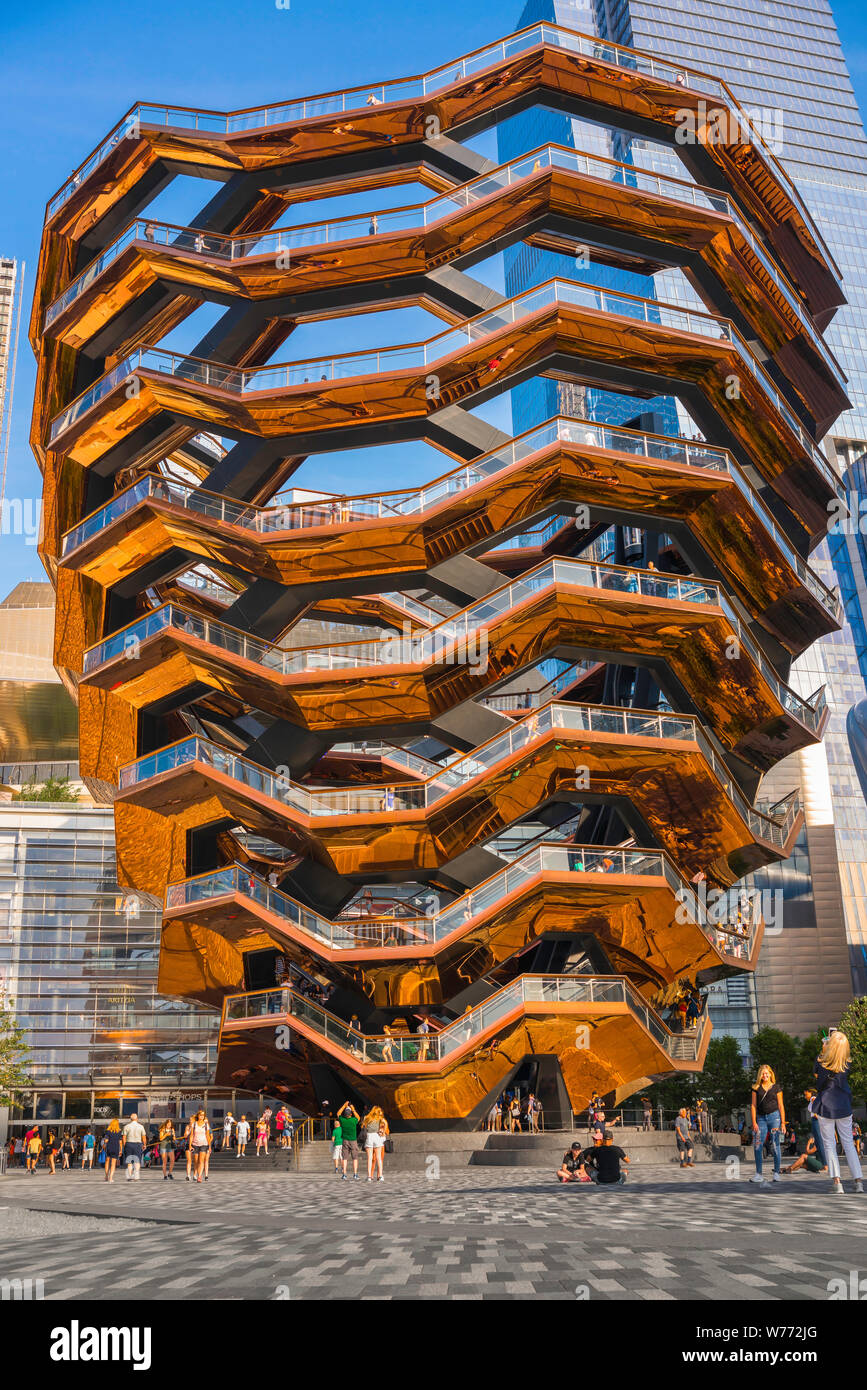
point(854, 1025)
point(809, 1051)
point(672, 1093)
point(55, 789)
point(14, 1054)
point(723, 1083)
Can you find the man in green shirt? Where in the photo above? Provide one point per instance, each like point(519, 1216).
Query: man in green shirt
point(349, 1118)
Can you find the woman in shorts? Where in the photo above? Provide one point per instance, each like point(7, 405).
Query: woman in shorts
point(52, 1149)
point(200, 1143)
point(376, 1133)
point(167, 1149)
point(262, 1132)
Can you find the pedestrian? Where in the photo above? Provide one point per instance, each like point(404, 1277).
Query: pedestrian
point(111, 1144)
point(88, 1145)
point(34, 1149)
point(595, 1104)
point(279, 1125)
point(19, 1151)
point(493, 1120)
point(647, 1110)
point(168, 1140)
point(242, 1135)
point(67, 1150)
point(200, 1143)
point(228, 1126)
point(349, 1119)
point(683, 1138)
point(52, 1148)
point(768, 1114)
point(605, 1161)
point(188, 1149)
point(134, 1139)
point(337, 1146)
point(834, 1107)
point(515, 1114)
point(533, 1110)
point(262, 1135)
point(375, 1134)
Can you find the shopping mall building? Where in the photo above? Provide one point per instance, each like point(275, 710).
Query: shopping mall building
point(78, 953)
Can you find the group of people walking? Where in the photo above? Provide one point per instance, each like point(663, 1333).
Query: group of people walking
point(132, 1145)
point(512, 1113)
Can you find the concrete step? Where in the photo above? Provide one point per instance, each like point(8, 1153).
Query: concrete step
point(414, 1152)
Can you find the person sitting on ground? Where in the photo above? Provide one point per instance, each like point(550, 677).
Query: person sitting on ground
point(572, 1167)
point(809, 1159)
point(605, 1163)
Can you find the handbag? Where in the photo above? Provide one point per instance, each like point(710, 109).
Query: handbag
point(389, 1146)
point(101, 1158)
point(362, 1136)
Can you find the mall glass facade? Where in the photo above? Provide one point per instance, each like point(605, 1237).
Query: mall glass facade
point(78, 959)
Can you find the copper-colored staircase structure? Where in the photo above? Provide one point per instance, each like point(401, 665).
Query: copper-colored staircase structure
point(433, 782)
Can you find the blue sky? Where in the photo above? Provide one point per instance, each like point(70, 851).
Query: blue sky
point(68, 72)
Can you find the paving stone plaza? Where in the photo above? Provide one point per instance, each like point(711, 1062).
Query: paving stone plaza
point(472, 1233)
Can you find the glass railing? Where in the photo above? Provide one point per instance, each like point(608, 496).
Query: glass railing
point(389, 931)
point(345, 511)
point(534, 699)
point(537, 536)
point(417, 1048)
point(385, 361)
point(388, 752)
point(773, 829)
point(457, 632)
point(282, 240)
point(410, 89)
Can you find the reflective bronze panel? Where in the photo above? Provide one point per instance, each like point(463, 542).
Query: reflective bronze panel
point(695, 641)
point(325, 549)
point(669, 782)
point(616, 1049)
point(667, 223)
point(598, 342)
point(636, 917)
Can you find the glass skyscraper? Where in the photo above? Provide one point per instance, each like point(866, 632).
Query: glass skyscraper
point(785, 64)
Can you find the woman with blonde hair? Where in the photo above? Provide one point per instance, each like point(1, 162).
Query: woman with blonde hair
point(768, 1113)
point(833, 1107)
point(375, 1134)
point(111, 1144)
